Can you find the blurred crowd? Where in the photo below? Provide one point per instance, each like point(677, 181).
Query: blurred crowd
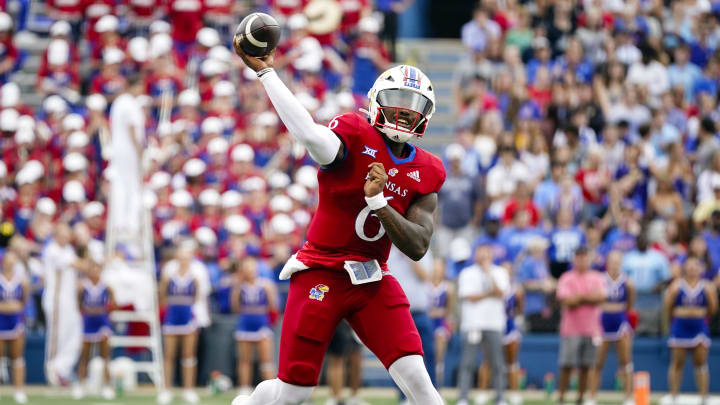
point(218, 164)
point(587, 124)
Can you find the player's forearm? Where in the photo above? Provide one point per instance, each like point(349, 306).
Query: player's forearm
point(411, 238)
point(322, 144)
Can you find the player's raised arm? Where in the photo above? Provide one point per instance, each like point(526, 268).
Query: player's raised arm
point(321, 142)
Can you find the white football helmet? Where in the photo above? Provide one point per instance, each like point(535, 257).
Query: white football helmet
point(401, 103)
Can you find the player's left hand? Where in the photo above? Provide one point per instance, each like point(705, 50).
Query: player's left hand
point(375, 180)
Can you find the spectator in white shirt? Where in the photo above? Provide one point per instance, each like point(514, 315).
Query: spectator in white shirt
point(482, 287)
point(651, 74)
point(503, 177)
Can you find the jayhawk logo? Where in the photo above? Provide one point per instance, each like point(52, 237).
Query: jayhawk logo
point(318, 292)
point(392, 172)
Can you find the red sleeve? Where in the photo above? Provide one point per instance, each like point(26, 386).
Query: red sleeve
point(74, 77)
point(12, 51)
point(441, 174)
point(534, 213)
point(96, 84)
point(579, 176)
point(345, 126)
point(509, 212)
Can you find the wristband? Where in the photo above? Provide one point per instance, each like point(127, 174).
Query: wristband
point(376, 202)
point(261, 72)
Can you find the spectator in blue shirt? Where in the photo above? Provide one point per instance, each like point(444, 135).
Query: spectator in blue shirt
point(622, 236)
point(491, 237)
point(564, 240)
point(683, 73)
point(534, 276)
point(649, 270)
point(542, 58)
point(369, 56)
point(516, 237)
point(548, 190)
point(459, 201)
point(712, 239)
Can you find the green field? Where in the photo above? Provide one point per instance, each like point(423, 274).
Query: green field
point(205, 400)
point(47, 396)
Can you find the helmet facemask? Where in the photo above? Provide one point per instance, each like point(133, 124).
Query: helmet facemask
point(401, 114)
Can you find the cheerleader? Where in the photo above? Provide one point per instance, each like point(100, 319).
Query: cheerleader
point(95, 299)
point(254, 299)
point(13, 295)
point(690, 301)
point(514, 308)
point(616, 328)
point(441, 304)
point(178, 294)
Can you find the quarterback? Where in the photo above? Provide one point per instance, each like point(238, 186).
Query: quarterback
point(375, 189)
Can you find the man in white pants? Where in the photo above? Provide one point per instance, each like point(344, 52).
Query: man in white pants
point(481, 288)
point(59, 301)
point(127, 136)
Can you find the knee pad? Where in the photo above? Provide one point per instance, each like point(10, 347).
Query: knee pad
point(514, 367)
point(267, 366)
point(189, 362)
point(19, 362)
point(277, 392)
point(629, 368)
point(410, 375)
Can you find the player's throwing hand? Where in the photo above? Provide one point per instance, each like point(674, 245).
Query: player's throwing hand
point(375, 179)
point(252, 62)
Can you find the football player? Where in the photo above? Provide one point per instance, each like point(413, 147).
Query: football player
point(375, 189)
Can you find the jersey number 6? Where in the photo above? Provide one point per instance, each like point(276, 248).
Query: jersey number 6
point(360, 225)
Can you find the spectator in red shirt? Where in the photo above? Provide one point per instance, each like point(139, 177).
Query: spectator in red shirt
point(188, 114)
point(594, 180)
point(186, 18)
point(353, 11)
point(521, 201)
point(8, 53)
point(206, 38)
point(221, 15)
point(61, 30)
point(286, 8)
point(217, 159)
point(139, 54)
point(110, 82)
point(141, 14)
point(540, 90)
point(10, 97)
point(242, 166)
point(210, 215)
point(106, 27)
point(67, 10)
point(223, 106)
point(93, 11)
point(59, 76)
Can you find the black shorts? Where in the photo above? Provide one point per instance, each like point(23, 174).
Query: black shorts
point(343, 342)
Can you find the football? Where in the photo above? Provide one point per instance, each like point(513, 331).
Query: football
point(257, 34)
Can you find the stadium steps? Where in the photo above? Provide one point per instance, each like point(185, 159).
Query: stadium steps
point(437, 58)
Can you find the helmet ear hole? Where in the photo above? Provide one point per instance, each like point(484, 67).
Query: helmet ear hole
point(430, 88)
point(390, 78)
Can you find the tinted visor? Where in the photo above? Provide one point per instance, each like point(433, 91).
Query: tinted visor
point(407, 99)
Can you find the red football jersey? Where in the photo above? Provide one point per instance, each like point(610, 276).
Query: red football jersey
point(343, 227)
